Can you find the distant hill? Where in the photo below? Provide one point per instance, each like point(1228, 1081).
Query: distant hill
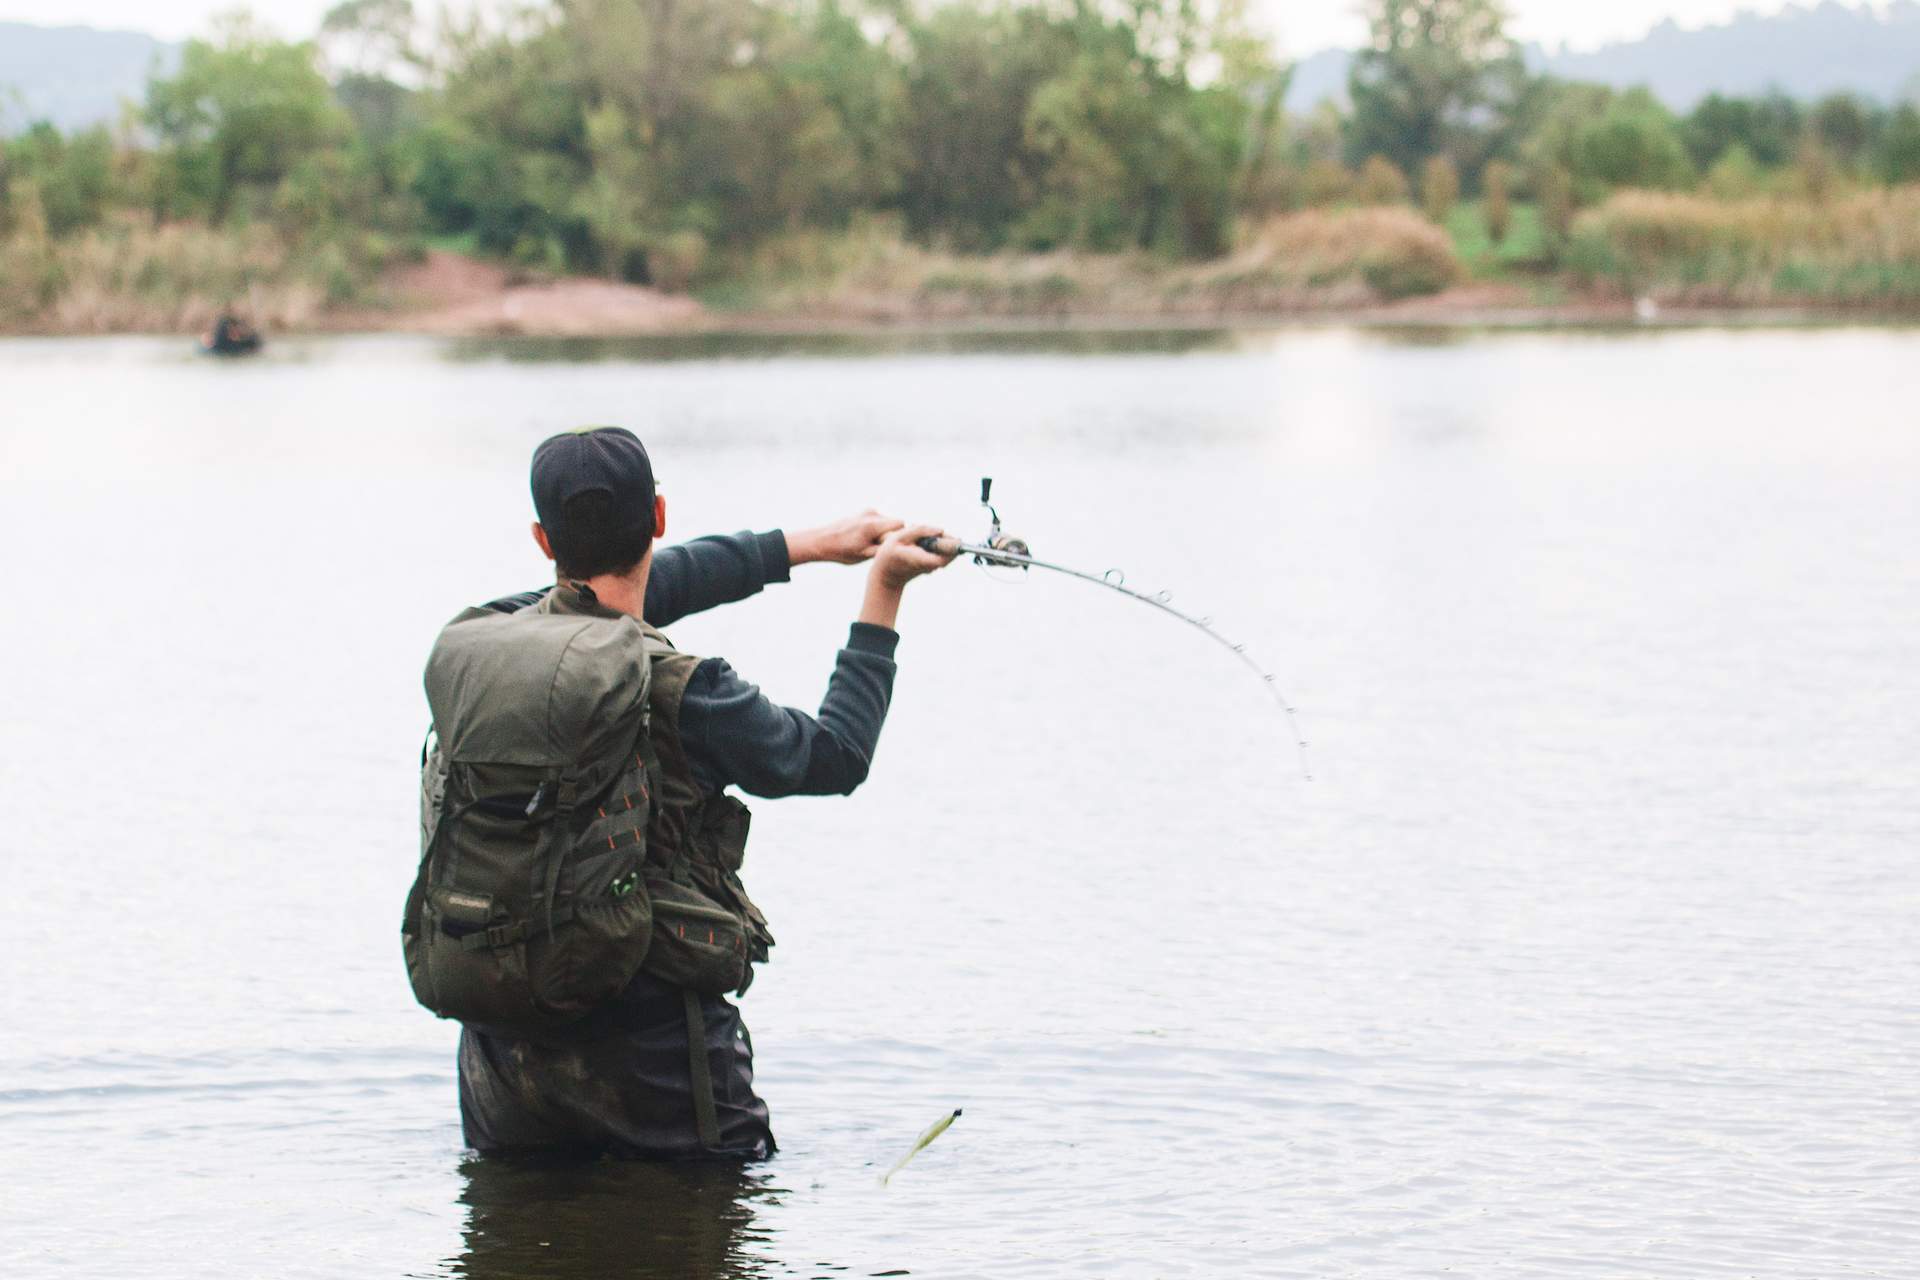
point(1807, 51)
point(73, 76)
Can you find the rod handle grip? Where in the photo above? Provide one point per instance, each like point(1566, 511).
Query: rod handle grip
point(940, 546)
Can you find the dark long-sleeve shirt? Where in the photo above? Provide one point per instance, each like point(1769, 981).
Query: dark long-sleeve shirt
point(733, 734)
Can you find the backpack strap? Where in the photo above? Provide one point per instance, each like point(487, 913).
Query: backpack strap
point(671, 778)
point(705, 1119)
point(559, 828)
point(505, 935)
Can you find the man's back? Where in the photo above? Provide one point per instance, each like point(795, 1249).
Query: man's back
point(623, 1079)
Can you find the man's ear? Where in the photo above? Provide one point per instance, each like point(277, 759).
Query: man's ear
point(540, 536)
point(659, 515)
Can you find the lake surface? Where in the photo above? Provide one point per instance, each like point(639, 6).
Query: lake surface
point(1590, 950)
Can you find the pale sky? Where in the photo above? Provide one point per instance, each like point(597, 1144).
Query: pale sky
point(1303, 25)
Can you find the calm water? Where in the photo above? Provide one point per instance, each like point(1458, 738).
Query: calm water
point(1591, 950)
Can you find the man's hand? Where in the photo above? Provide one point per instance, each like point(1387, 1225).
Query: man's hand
point(899, 560)
point(847, 541)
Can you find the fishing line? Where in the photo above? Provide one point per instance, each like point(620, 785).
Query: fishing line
point(1010, 552)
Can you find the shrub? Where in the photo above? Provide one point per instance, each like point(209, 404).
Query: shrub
point(1556, 206)
point(1394, 252)
point(1815, 174)
point(1735, 176)
point(1326, 182)
point(1381, 182)
point(1439, 188)
point(127, 275)
point(675, 260)
point(1854, 248)
point(1499, 209)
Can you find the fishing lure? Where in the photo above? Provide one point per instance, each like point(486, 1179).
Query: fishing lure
point(934, 1130)
point(1001, 548)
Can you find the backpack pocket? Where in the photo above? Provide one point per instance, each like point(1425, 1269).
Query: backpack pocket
point(697, 943)
point(593, 954)
point(472, 961)
point(719, 847)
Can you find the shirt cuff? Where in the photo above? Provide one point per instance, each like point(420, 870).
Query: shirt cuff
point(775, 564)
point(865, 637)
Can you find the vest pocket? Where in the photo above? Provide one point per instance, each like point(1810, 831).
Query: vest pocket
point(697, 943)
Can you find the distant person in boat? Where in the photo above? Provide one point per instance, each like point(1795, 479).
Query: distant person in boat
point(232, 336)
point(515, 877)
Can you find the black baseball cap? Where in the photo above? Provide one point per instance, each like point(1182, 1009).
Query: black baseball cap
point(609, 460)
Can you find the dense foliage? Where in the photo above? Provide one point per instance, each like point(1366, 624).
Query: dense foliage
point(669, 141)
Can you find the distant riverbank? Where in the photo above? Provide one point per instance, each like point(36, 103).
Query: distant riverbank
point(1639, 257)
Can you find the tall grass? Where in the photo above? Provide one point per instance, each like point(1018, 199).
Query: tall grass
point(1855, 248)
point(130, 276)
point(1359, 255)
point(1351, 257)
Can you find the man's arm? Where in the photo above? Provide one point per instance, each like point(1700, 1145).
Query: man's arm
point(711, 571)
point(708, 572)
point(735, 736)
point(693, 577)
point(726, 568)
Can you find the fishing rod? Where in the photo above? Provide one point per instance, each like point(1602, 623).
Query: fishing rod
point(1003, 549)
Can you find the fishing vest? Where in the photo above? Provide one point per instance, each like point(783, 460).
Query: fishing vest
point(565, 845)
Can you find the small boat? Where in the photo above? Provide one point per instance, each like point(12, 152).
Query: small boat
point(231, 336)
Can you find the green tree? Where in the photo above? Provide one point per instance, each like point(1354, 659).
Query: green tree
point(1633, 142)
point(1090, 125)
point(239, 114)
point(1768, 127)
point(504, 147)
point(72, 174)
point(971, 74)
point(861, 81)
point(370, 39)
point(1436, 76)
point(1897, 155)
point(1133, 150)
point(1843, 125)
point(613, 201)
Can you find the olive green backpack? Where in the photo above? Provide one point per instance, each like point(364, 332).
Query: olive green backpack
point(530, 907)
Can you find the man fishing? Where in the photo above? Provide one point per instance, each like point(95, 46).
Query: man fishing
point(578, 906)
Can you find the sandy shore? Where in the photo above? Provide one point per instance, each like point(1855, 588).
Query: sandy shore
point(454, 296)
point(449, 295)
point(462, 297)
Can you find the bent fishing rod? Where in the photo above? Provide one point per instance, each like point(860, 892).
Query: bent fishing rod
point(1002, 549)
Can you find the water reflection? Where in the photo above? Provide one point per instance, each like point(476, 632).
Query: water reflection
point(761, 346)
point(573, 1219)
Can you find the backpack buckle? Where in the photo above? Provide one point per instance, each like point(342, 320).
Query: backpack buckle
point(493, 937)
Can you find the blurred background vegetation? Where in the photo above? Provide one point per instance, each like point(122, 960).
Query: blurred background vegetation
point(970, 157)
